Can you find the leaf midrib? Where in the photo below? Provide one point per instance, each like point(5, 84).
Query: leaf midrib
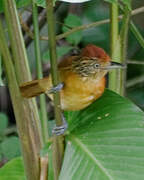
point(88, 152)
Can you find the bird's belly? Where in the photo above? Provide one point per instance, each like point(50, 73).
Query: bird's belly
point(79, 94)
point(74, 102)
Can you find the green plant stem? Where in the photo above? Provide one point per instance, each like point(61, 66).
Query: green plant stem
point(43, 112)
point(115, 48)
point(24, 113)
point(135, 81)
point(58, 146)
point(137, 34)
point(134, 29)
point(17, 43)
point(124, 38)
point(25, 110)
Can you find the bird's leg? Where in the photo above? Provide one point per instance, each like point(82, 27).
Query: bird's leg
point(59, 130)
point(55, 88)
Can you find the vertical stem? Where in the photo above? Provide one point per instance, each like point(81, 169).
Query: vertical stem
point(25, 117)
point(58, 146)
point(115, 48)
point(25, 110)
point(1, 81)
point(124, 38)
point(43, 112)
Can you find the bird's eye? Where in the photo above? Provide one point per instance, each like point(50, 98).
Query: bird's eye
point(96, 65)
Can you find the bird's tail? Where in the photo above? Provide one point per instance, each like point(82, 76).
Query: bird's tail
point(34, 88)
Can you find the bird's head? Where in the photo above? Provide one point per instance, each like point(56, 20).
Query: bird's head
point(94, 61)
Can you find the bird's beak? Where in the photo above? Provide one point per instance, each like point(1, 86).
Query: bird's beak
point(115, 65)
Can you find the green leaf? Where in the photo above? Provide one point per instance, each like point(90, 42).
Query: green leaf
point(44, 151)
point(41, 3)
point(22, 3)
point(13, 170)
point(3, 122)
point(10, 147)
point(105, 141)
point(111, 1)
point(127, 3)
point(60, 52)
point(75, 1)
point(72, 21)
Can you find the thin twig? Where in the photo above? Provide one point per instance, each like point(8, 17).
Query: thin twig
point(10, 130)
point(135, 62)
point(86, 26)
point(135, 81)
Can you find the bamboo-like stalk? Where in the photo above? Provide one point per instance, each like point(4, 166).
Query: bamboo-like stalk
point(124, 38)
point(25, 115)
point(114, 75)
point(43, 112)
point(25, 110)
point(58, 146)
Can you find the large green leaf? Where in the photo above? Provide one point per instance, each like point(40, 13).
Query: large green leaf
point(105, 141)
point(61, 51)
point(72, 21)
point(3, 122)
point(10, 147)
point(13, 170)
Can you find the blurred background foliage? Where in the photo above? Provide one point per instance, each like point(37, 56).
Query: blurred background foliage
point(68, 16)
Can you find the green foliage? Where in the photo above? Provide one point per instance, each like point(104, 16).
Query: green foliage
point(111, 1)
point(127, 3)
point(3, 123)
point(106, 141)
point(62, 50)
point(72, 21)
point(10, 147)
point(22, 3)
point(41, 3)
point(95, 11)
point(13, 170)
point(44, 151)
point(75, 1)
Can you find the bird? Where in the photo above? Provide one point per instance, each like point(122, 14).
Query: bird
point(82, 79)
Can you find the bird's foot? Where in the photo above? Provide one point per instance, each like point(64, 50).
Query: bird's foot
point(59, 130)
point(55, 88)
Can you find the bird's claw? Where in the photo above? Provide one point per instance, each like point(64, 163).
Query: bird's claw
point(55, 88)
point(59, 130)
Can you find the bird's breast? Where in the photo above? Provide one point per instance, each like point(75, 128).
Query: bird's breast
point(79, 92)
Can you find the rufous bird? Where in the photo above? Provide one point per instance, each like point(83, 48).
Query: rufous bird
point(83, 77)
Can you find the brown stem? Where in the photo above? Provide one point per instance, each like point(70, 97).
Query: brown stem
point(58, 146)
